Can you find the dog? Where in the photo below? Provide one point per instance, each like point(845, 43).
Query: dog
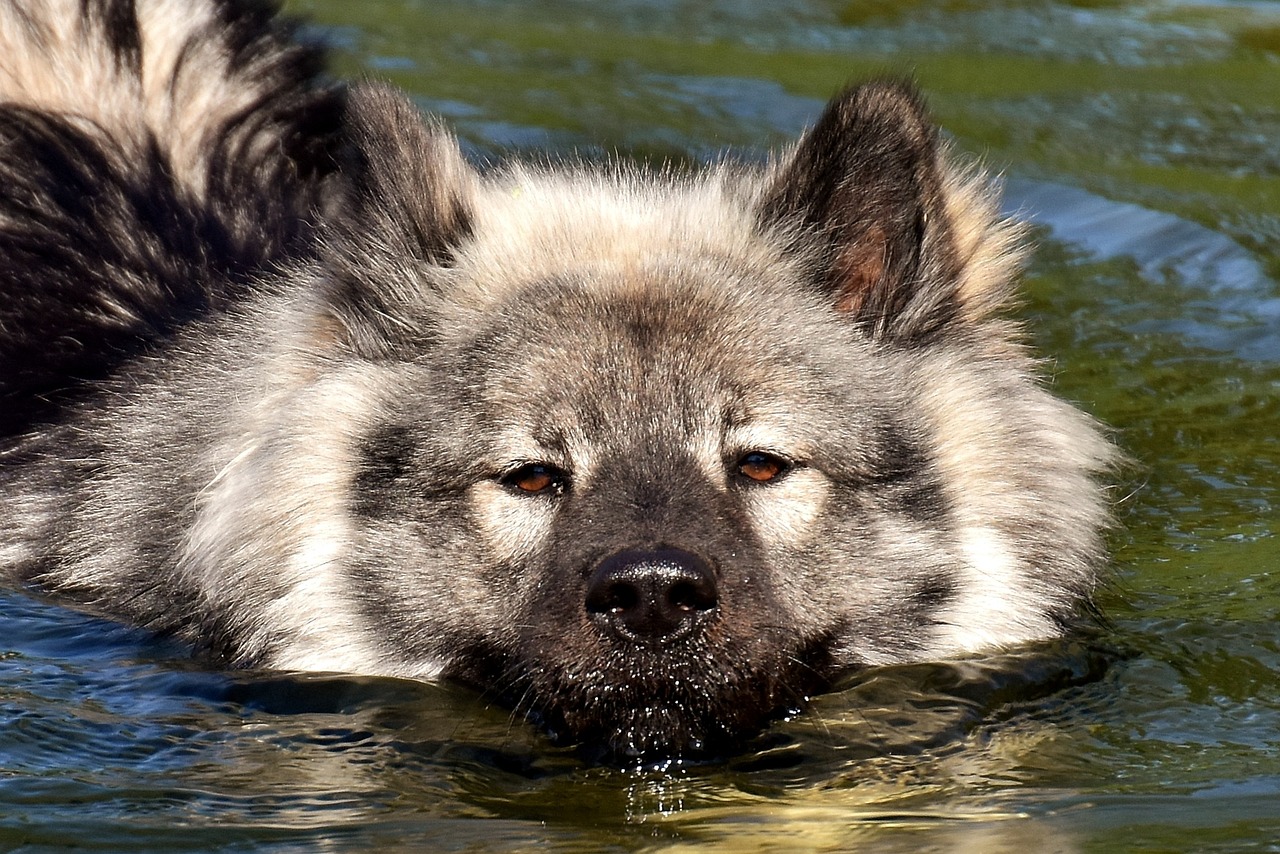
point(653, 456)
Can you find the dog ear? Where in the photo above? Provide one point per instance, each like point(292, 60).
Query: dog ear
point(406, 207)
point(862, 196)
point(409, 182)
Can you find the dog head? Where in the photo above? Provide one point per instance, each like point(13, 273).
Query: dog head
point(655, 457)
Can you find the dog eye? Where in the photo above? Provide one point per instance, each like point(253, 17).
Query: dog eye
point(762, 467)
point(536, 479)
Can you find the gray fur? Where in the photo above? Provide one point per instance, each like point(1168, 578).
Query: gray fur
point(319, 468)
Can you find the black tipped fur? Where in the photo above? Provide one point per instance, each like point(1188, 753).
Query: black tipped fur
point(120, 26)
point(104, 254)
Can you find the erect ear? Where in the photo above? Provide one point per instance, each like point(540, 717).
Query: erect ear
point(407, 207)
point(862, 194)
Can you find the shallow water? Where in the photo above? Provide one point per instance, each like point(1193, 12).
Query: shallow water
point(1144, 139)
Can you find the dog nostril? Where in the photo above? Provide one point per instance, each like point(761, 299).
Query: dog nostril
point(687, 596)
point(620, 597)
point(651, 595)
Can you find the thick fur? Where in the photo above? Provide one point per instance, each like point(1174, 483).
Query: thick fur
point(152, 164)
point(305, 450)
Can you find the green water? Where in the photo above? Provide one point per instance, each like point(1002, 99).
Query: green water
point(1145, 138)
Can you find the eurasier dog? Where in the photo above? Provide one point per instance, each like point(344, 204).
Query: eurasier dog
point(652, 456)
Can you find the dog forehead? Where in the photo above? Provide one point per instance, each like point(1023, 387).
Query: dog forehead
point(593, 298)
point(577, 375)
point(533, 225)
point(595, 338)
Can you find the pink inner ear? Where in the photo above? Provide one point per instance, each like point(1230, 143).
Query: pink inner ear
point(860, 269)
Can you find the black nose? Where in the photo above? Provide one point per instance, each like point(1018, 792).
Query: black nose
point(651, 595)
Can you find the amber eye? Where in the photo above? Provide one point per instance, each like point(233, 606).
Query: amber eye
point(536, 478)
point(762, 467)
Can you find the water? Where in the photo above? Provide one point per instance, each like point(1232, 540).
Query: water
point(1144, 139)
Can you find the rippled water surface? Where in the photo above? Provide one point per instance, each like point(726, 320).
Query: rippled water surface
point(1144, 139)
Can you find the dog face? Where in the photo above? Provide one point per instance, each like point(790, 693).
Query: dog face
point(657, 458)
point(701, 517)
point(684, 511)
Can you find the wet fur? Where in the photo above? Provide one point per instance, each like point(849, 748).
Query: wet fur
point(270, 347)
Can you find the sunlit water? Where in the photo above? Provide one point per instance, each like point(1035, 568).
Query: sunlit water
point(1144, 139)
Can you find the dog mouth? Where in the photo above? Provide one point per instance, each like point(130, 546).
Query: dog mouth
point(654, 659)
point(639, 709)
point(625, 728)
